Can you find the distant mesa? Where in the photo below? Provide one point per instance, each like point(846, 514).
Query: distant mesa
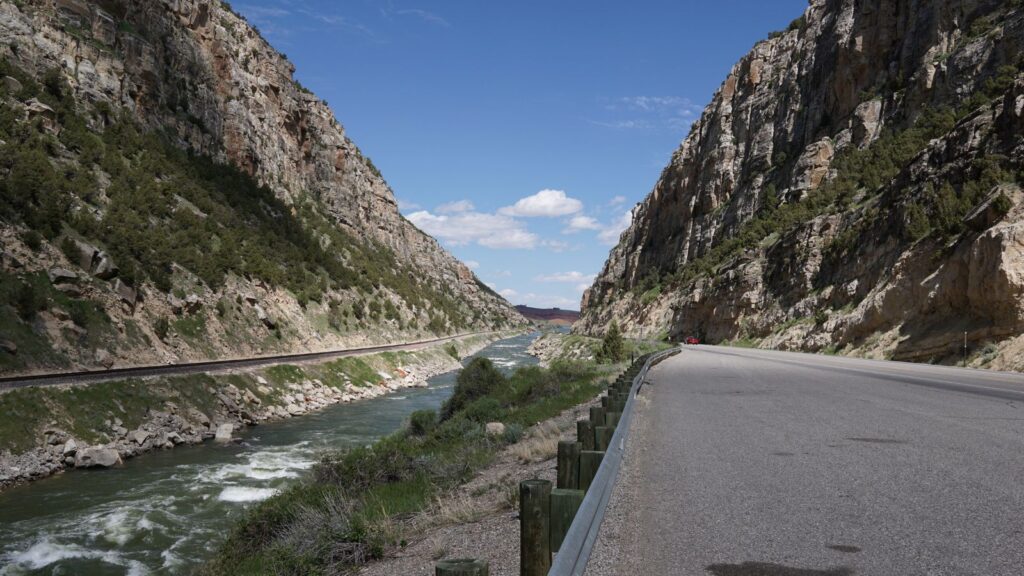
point(549, 315)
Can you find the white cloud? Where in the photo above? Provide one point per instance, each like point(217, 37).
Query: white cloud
point(549, 301)
point(504, 273)
point(610, 234)
point(406, 205)
point(582, 287)
point(472, 264)
point(425, 16)
point(556, 245)
point(567, 277)
point(462, 228)
point(453, 207)
point(546, 203)
point(508, 293)
point(617, 201)
point(580, 223)
point(649, 113)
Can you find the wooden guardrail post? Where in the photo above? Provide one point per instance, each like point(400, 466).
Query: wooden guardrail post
point(611, 419)
point(603, 437)
point(534, 527)
point(585, 434)
point(461, 567)
point(590, 461)
point(597, 416)
point(568, 475)
point(564, 505)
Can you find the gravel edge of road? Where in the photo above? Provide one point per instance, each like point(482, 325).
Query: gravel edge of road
point(615, 552)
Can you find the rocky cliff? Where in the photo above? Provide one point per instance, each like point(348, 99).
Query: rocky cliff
point(271, 233)
point(853, 187)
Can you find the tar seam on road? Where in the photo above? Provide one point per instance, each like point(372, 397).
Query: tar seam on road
point(572, 558)
point(91, 376)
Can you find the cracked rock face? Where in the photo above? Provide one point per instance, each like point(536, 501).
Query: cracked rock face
point(195, 70)
point(838, 80)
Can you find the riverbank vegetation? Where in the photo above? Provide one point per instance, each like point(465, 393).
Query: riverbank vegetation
point(348, 511)
point(105, 413)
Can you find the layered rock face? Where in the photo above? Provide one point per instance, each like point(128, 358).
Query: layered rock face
point(198, 73)
point(853, 186)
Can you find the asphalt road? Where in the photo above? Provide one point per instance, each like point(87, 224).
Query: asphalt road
point(210, 366)
point(757, 463)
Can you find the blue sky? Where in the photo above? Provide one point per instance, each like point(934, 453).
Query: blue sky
point(520, 134)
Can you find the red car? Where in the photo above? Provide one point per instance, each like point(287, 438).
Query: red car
point(692, 340)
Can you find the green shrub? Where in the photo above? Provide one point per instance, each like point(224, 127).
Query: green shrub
point(162, 328)
point(28, 300)
point(1002, 204)
point(478, 379)
point(485, 410)
point(33, 239)
point(452, 350)
point(422, 422)
point(915, 222)
point(612, 345)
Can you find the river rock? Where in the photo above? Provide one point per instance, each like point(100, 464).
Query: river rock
point(223, 433)
point(140, 436)
point(70, 447)
point(97, 456)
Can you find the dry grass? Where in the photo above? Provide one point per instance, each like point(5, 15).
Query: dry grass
point(454, 508)
point(540, 444)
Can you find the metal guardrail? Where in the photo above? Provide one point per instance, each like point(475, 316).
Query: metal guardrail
point(574, 554)
point(89, 376)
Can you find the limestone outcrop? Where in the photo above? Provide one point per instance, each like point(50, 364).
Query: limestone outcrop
point(199, 75)
point(853, 187)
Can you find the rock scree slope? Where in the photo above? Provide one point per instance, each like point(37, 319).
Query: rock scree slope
point(853, 187)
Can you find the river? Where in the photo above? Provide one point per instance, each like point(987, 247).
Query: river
point(165, 512)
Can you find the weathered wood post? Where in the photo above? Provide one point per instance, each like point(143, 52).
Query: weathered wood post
point(534, 527)
point(603, 437)
point(611, 419)
point(564, 505)
point(604, 401)
point(568, 464)
point(590, 461)
point(597, 416)
point(585, 434)
point(461, 567)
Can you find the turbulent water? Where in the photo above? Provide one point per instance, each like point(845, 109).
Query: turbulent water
point(163, 513)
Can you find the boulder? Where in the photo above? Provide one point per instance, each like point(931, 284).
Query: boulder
point(103, 358)
point(70, 447)
point(495, 429)
point(127, 294)
point(62, 276)
point(223, 433)
point(267, 321)
point(12, 85)
point(177, 306)
point(83, 254)
point(97, 456)
point(140, 436)
point(71, 290)
point(8, 346)
point(103, 266)
point(193, 303)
